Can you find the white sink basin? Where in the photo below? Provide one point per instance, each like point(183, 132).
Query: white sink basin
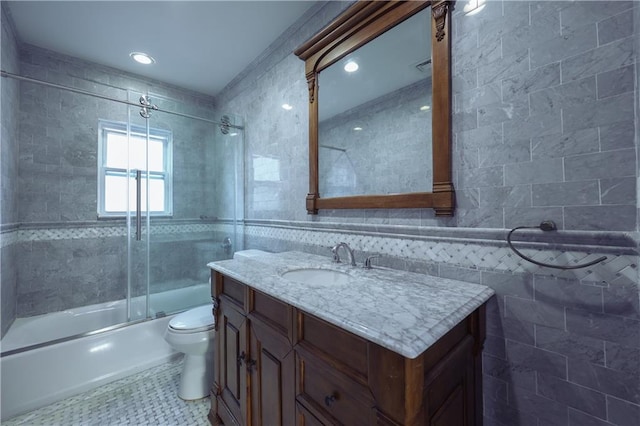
point(316, 276)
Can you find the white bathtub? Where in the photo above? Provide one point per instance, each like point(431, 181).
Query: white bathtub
point(41, 376)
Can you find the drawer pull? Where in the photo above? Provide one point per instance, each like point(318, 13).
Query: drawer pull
point(329, 399)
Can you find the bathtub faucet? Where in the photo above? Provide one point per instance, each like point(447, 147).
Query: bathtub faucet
point(226, 245)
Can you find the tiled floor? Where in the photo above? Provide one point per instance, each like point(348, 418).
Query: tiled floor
point(147, 398)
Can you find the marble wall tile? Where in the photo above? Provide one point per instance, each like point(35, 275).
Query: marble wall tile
point(623, 331)
point(574, 396)
point(507, 415)
point(518, 196)
point(622, 358)
point(578, 418)
point(570, 43)
point(616, 383)
point(537, 312)
point(531, 81)
point(571, 345)
point(617, 136)
point(515, 108)
point(565, 144)
point(532, 172)
point(507, 66)
point(548, 410)
point(598, 218)
point(483, 176)
point(577, 13)
point(609, 110)
point(566, 193)
point(516, 375)
point(542, 361)
point(616, 82)
point(598, 165)
point(609, 57)
point(622, 412)
point(566, 95)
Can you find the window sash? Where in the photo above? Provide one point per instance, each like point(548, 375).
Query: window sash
point(107, 207)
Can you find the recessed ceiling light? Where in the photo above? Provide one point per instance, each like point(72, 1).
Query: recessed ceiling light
point(425, 108)
point(287, 107)
point(357, 129)
point(351, 66)
point(142, 58)
point(233, 134)
point(473, 6)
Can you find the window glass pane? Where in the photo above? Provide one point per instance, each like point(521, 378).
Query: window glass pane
point(138, 152)
point(115, 193)
point(116, 150)
point(156, 155)
point(156, 200)
point(157, 195)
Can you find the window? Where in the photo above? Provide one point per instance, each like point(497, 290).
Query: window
point(115, 153)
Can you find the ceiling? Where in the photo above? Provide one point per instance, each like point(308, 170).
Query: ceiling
point(198, 45)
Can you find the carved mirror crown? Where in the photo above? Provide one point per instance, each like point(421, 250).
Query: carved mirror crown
point(361, 23)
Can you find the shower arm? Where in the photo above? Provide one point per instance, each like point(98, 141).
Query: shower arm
point(547, 225)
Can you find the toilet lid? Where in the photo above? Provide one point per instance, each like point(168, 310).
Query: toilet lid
point(200, 318)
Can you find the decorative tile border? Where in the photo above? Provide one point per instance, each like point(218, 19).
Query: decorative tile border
point(82, 232)
point(484, 249)
point(471, 253)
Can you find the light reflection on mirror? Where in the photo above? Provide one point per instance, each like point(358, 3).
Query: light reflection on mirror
point(374, 129)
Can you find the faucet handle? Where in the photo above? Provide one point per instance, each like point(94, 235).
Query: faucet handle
point(336, 256)
point(367, 261)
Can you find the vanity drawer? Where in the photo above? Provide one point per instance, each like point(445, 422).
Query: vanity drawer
point(305, 418)
point(231, 289)
point(332, 397)
point(342, 350)
point(270, 311)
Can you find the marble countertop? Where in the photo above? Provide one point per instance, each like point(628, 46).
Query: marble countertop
point(402, 311)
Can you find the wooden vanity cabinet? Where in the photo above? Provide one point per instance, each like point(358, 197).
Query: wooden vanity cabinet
point(254, 360)
point(278, 365)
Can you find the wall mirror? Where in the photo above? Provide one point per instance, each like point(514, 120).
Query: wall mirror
point(380, 108)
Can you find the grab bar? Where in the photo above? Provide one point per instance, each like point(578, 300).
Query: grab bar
point(547, 225)
point(138, 205)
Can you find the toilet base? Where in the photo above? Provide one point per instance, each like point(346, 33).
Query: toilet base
point(195, 378)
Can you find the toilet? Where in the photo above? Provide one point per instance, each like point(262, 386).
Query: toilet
point(192, 332)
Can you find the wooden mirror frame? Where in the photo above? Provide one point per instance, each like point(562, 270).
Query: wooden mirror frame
point(356, 26)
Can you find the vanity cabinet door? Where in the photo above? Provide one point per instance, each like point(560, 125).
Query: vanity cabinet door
point(450, 388)
point(272, 365)
point(231, 377)
point(271, 376)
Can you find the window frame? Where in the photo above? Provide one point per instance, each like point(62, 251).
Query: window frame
point(166, 136)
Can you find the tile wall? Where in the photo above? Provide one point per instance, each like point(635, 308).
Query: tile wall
point(60, 255)
point(8, 170)
point(544, 124)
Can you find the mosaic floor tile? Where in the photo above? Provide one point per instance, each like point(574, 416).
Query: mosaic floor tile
point(147, 398)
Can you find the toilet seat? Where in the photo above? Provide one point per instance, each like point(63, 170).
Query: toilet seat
point(193, 321)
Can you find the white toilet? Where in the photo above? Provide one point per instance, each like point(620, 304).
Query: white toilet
point(192, 332)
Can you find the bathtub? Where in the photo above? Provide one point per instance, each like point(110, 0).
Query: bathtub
point(42, 375)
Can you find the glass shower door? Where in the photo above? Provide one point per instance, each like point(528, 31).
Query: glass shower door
point(187, 219)
point(189, 234)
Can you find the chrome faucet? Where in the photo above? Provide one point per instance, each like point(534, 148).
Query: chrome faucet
point(336, 256)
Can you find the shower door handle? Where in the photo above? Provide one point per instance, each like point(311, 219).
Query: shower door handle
point(138, 205)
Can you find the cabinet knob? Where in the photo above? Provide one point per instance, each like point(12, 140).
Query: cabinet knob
point(329, 399)
point(248, 361)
